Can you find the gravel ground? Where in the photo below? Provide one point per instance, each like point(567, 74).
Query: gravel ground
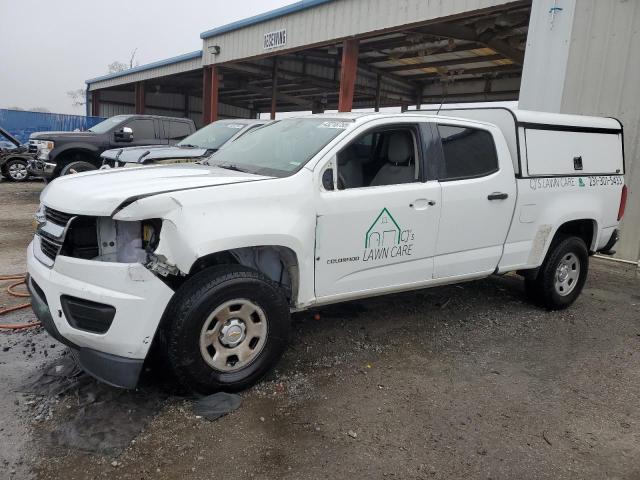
point(466, 381)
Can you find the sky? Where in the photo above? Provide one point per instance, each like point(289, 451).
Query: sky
point(52, 46)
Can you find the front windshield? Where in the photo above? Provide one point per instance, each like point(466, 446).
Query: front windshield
point(213, 136)
point(280, 148)
point(108, 124)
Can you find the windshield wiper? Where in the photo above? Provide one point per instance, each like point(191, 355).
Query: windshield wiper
point(187, 145)
point(229, 166)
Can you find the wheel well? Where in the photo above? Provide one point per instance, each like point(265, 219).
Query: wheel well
point(278, 263)
point(584, 229)
point(76, 154)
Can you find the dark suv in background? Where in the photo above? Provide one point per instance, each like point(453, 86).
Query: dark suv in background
point(60, 153)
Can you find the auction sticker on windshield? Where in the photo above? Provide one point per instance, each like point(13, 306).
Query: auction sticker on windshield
point(338, 125)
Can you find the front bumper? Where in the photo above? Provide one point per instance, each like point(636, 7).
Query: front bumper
point(138, 297)
point(40, 168)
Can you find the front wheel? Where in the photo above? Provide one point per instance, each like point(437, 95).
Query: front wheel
point(227, 326)
point(16, 170)
point(561, 276)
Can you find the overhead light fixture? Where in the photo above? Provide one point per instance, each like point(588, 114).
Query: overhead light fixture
point(214, 49)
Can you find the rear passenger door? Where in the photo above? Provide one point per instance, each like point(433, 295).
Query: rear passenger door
point(478, 199)
point(175, 131)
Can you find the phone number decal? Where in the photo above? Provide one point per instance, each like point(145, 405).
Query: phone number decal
point(605, 181)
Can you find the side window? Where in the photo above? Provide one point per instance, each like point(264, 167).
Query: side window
point(380, 157)
point(143, 129)
point(468, 153)
point(176, 130)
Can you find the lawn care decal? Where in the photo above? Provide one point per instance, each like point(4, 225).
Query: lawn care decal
point(547, 183)
point(386, 239)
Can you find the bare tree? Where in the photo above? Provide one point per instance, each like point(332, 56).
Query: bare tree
point(116, 66)
point(78, 97)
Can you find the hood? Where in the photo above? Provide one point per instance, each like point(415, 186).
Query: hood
point(5, 134)
point(101, 192)
point(157, 152)
point(54, 135)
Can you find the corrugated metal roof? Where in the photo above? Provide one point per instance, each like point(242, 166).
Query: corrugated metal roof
point(148, 66)
point(271, 14)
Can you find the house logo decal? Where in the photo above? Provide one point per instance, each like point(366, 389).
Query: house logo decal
point(385, 239)
point(384, 231)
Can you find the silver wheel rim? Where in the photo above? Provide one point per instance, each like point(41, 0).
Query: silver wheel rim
point(567, 274)
point(233, 335)
point(18, 171)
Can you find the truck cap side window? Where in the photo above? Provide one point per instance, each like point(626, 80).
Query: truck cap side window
point(386, 156)
point(468, 153)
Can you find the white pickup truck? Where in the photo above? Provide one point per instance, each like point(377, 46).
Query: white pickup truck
point(206, 261)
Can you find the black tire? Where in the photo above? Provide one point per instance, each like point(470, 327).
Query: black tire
point(543, 290)
point(15, 170)
point(77, 166)
point(196, 300)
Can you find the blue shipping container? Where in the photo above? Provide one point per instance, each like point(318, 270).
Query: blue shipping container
point(21, 124)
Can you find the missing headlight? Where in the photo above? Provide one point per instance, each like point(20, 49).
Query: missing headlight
point(127, 242)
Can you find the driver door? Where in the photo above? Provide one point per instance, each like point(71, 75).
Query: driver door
point(378, 229)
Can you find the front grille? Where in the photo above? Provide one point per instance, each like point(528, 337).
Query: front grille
point(49, 247)
point(80, 240)
point(33, 148)
point(57, 217)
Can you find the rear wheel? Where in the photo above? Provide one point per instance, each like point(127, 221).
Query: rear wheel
point(227, 327)
point(16, 170)
point(561, 276)
point(77, 167)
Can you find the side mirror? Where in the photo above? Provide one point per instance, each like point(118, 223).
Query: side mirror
point(327, 179)
point(125, 134)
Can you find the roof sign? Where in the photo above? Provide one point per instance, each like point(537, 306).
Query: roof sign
point(275, 39)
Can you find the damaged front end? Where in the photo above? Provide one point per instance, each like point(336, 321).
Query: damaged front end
point(98, 286)
point(101, 239)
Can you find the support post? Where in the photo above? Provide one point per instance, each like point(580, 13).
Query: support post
point(139, 98)
point(348, 72)
point(186, 106)
point(274, 88)
point(419, 97)
point(378, 87)
point(210, 84)
point(95, 103)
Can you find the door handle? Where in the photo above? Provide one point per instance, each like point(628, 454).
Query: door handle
point(498, 196)
point(422, 203)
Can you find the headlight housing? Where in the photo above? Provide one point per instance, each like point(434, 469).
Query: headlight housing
point(44, 148)
point(126, 241)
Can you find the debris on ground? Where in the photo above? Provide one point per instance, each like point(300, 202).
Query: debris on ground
point(215, 406)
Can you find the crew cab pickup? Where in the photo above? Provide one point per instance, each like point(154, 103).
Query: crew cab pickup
point(206, 261)
point(61, 153)
point(196, 147)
